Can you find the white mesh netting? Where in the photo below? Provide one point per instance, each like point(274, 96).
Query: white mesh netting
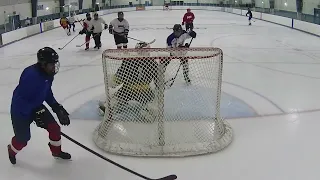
point(151, 110)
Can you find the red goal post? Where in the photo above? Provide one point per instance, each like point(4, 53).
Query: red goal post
point(156, 120)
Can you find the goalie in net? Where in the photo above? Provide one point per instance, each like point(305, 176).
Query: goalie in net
point(134, 78)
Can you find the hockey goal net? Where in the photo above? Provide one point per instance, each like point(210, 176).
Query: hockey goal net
point(152, 109)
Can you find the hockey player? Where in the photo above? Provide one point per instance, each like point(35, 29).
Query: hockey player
point(97, 29)
point(176, 40)
point(65, 24)
point(27, 105)
point(250, 16)
point(87, 30)
point(188, 20)
point(135, 77)
point(72, 22)
point(119, 27)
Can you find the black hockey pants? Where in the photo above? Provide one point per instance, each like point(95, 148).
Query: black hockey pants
point(97, 39)
point(189, 26)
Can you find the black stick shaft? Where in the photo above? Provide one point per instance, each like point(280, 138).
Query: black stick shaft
point(69, 41)
point(112, 162)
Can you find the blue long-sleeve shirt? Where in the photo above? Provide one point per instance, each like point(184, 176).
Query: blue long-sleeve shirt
point(33, 89)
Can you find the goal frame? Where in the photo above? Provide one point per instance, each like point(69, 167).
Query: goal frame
point(223, 127)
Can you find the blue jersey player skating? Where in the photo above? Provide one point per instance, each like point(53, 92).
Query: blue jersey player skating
point(177, 40)
point(27, 105)
point(250, 16)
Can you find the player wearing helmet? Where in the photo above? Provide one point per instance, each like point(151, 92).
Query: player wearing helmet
point(119, 27)
point(97, 29)
point(64, 22)
point(177, 40)
point(87, 29)
point(27, 105)
point(135, 76)
point(188, 20)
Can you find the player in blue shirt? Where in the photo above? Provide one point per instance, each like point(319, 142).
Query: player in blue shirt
point(176, 40)
point(27, 105)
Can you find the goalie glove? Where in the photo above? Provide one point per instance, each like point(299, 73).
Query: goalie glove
point(106, 26)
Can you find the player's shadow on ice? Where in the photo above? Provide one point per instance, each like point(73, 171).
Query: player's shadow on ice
point(81, 168)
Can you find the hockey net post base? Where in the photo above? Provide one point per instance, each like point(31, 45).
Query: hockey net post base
point(144, 118)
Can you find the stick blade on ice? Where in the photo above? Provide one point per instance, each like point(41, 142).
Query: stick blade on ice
point(170, 177)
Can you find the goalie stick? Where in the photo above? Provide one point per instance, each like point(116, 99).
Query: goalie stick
point(170, 177)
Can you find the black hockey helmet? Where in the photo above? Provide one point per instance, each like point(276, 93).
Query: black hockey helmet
point(177, 30)
point(95, 15)
point(120, 15)
point(177, 27)
point(48, 55)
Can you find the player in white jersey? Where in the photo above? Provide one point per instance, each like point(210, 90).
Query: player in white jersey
point(119, 27)
point(177, 40)
point(71, 22)
point(97, 29)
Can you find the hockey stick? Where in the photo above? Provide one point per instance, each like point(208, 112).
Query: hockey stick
point(86, 41)
point(170, 177)
point(154, 40)
point(69, 42)
point(174, 78)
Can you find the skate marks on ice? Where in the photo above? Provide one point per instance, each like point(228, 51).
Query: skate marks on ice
point(179, 100)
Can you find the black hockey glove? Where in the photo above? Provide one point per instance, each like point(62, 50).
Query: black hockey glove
point(62, 114)
point(187, 45)
point(106, 26)
point(111, 29)
point(126, 32)
point(92, 28)
point(193, 34)
point(41, 114)
point(83, 31)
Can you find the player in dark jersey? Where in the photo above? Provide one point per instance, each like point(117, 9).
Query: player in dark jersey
point(250, 16)
point(27, 105)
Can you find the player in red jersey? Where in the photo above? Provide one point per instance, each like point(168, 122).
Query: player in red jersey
point(188, 19)
point(87, 29)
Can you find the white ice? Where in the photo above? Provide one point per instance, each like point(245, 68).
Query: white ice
point(273, 69)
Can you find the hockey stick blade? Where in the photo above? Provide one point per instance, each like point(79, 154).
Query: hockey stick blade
point(170, 177)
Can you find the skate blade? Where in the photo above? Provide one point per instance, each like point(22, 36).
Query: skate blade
point(60, 159)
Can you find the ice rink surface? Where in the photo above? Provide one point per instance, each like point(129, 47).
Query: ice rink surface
point(270, 69)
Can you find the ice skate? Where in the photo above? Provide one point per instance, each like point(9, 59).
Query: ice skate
point(12, 158)
point(62, 155)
